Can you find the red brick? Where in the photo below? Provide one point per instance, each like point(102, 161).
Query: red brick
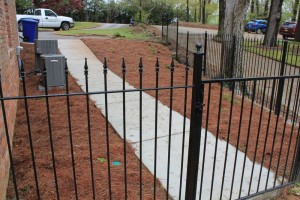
point(10, 83)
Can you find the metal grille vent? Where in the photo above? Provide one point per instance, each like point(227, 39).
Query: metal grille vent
point(55, 69)
point(43, 47)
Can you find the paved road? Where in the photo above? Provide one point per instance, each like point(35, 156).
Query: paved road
point(212, 31)
point(111, 25)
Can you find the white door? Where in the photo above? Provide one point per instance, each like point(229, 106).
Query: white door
point(50, 19)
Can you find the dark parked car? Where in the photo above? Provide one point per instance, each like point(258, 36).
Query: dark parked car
point(257, 26)
point(288, 29)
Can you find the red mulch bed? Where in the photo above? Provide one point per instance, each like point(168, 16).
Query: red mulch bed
point(115, 50)
point(61, 142)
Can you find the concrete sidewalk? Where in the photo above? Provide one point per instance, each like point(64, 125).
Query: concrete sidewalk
point(75, 51)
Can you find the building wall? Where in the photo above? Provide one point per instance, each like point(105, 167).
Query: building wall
point(9, 72)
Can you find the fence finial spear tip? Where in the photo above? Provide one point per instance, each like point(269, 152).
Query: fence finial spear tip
point(198, 46)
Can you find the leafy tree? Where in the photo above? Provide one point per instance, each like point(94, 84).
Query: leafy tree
point(66, 7)
point(22, 5)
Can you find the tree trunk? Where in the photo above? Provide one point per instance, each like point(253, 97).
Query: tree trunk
point(235, 13)
point(297, 34)
point(221, 16)
point(187, 11)
point(257, 7)
point(295, 9)
point(252, 7)
point(140, 14)
point(273, 23)
point(266, 8)
point(200, 10)
point(203, 12)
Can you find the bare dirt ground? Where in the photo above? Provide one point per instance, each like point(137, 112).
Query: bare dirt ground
point(198, 25)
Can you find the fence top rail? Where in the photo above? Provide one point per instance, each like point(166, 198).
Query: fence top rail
point(251, 79)
point(92, 93)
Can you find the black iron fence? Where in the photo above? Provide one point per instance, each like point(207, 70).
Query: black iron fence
point(227, 56)
point(235, 148)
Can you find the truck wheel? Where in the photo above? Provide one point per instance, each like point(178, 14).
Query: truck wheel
point(65, 26)
point(20, 26)
point(56, 29)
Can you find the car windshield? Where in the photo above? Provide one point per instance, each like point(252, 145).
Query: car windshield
point(263, 22)
point(289, 24)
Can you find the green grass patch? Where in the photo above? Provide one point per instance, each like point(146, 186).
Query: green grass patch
point(77, 26)
point(296, 189)
point(275, 53)
point(85, 25)
point(127, 33)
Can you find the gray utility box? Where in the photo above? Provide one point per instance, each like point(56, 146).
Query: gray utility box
point(55, 64)
point(44, 47)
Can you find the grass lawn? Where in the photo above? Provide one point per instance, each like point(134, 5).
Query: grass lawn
point(292, 57)
point(128, 33)
point(78, 26)
point(85, 25)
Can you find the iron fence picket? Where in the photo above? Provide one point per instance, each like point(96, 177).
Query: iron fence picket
point(258, 136)
point(267, 133)
point(29, 131)
point(247, 140)
point(88, 115)
point(238, 139)
point(156, 120)
point(170, 124)
point(70, 129)
point(105, 71)
point(184, 124)
point(50, 130)
point(141, 124)
point(228, 139)
point(216, 142)
point(124, 124)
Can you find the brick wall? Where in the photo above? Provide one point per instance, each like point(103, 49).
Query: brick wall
point(10, 82)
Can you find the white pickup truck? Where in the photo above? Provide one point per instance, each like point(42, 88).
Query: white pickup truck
point(47, 19)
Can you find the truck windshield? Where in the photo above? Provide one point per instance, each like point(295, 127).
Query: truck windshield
point(50, 13)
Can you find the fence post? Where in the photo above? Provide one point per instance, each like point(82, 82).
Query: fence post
point(281, 81)
point(195, 128)
point(205, 51)
point(177, 38)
